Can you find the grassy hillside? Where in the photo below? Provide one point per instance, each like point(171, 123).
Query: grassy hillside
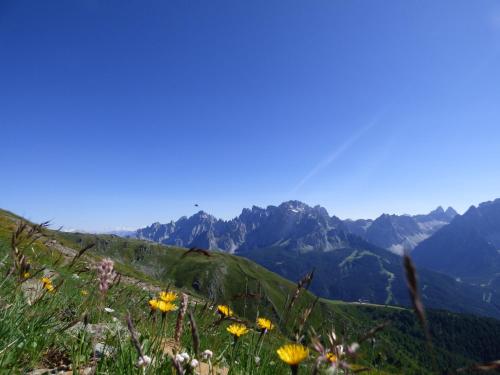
point(249, 289)
point(367, 272)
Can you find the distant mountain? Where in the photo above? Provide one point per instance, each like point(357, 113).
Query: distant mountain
point(201, 229)
point(295, 221)
point(123, 233)
point(306, 227)
point(361, 271)
point(400, 233)
point(467, 248)
point(293, 238)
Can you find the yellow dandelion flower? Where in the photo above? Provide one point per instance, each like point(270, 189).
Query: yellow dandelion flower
point(168, 296)
point(330, 357)
point(166, 306)
point(153, 304)
point(47, 284)
point(293, 354)
point(265, 324)
point(225, 311)
point(237, 330)
point(49, 287)
point(84, 292)
point(163, 306)
point(26, 275)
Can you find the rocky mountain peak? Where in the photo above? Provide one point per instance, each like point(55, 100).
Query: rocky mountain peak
point(202, 215)
point(297, 223)
point(438, 211)
point(439, 214)
point(451, 213)
point(294, 206)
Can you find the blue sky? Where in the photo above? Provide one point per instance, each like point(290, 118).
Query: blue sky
point(121, 113)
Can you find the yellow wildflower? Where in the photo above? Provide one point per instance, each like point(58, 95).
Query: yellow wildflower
point(331, 357)
point(163, 306)
point(47, 284)
point(225, 311)
point(49, 287)
point(265, 324)
point(293, 354)
point(168, 296)
point(237, 330)
point(153, 304)
point(166, 307)
point(84, 292)
point(26, 275)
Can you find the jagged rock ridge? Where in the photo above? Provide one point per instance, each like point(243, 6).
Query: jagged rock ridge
point(305, 229)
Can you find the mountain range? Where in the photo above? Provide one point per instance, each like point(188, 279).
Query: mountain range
point(353, 260)
point(401, 233)
point(258, 227)
point(468, 248)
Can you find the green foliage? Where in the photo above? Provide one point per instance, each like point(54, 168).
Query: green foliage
point(49, 331)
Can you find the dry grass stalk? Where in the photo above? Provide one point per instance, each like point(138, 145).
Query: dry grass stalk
point(306, 314)
point(194, 334)
point(372, 332)
point(196, 250)
point(418, 306)
point(133, 337)
point(231, 319)
point(412, 282)
point(22, 238)
point(303, 284)
point(60, 257)
point(84, 269)
point(180, 318)
point(80, 253)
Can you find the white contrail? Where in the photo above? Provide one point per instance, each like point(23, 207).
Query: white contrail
point(335, 154)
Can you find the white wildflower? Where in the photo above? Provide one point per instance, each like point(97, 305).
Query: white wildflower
point(353, 348)
point(207, 354)
point(194, 363)
point(144, 361)
point(109, 310)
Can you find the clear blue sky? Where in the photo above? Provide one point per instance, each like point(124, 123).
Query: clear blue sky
point(121, 113)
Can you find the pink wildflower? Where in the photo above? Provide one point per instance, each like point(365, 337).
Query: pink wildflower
point(106, 274)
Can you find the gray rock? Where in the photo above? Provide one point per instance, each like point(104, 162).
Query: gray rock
point(100, 331)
